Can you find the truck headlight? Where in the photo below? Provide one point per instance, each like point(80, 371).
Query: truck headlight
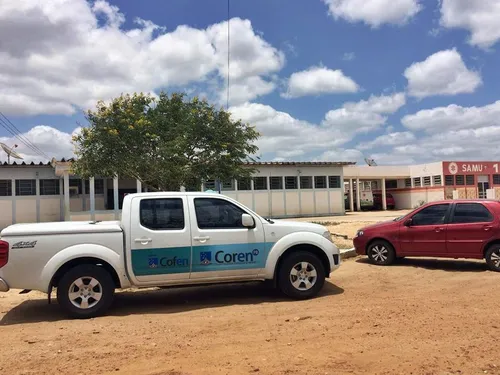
point(328, 236)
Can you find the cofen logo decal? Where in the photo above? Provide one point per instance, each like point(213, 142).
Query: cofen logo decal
point(155, 262)
point(24, 245)
point(222, 257)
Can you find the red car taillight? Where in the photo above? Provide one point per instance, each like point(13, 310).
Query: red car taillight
point(4, 253)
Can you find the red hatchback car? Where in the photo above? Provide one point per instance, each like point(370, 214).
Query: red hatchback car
point(448, 229)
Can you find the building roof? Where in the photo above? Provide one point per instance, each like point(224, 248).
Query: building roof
point(303, 163)
point(24, 164)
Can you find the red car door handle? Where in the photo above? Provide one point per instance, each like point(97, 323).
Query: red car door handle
point(439, 229)
point(487, 227)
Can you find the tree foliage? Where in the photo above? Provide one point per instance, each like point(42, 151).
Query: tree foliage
point(165, 142)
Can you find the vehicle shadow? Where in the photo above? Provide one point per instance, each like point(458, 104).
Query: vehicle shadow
point(164, 301)
point(451, 265)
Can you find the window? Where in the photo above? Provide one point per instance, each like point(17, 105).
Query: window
point(49, 187)
point(334, 182)
point(417, 181)
point(98, 186)
point(469, 179)
point(471, 213)
point(391, 184)
point(320, 182)
point(432, 215)
point(162, 214)
point(276, 183)
point(227, 185)
point(209, 185)
point(407, 182)
point(260, 183)
point(25, 187)
point(291, 182)
point(496, 179)
point(245, 184)
point(437, 180)
point(5, 188)
point(449, 180)
point(306, 182)
point(76, 182)
point(459, 179)
point(213, 213)
point(427, 181)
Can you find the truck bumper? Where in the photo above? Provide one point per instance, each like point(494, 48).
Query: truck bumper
point(4, 287)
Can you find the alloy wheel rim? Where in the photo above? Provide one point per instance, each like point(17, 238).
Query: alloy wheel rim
point(303, 276)
point(85, 292)
point(380, 253)
point(495, 258)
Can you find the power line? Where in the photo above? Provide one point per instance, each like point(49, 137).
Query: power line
point(12, 129)
point(228, 54)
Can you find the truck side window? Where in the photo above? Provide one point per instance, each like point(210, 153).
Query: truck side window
point(162, 214)
point(213, 213)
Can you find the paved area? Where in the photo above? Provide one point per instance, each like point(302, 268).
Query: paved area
point(416, 317)
point(362, 216)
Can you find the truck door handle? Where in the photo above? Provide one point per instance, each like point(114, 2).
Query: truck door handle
point(143, 241)
point(201, 238)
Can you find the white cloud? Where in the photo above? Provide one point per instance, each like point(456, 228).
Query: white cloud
point(453, 117)
point(479, 17)
point(340, 154)
point(69, 54)
point(319, 80)
point(365, 115)
point(349, 56)
point(443, 73)
point(374, 12)
point(51, 142)
point(390, 139)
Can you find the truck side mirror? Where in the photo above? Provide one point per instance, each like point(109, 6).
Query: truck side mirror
point(408, 223)
point(247, 221)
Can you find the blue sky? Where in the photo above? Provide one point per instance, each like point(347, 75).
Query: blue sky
point(402, 81)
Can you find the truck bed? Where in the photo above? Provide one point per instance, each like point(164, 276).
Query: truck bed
point(64, 227)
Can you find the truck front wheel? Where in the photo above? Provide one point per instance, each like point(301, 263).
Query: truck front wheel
point(85, 291)
point(301, 275)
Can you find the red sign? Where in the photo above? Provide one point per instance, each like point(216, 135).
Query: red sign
point(471, 167)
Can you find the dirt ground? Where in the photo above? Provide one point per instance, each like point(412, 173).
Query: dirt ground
point(416, 317)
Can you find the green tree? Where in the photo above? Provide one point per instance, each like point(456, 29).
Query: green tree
point(164, 142)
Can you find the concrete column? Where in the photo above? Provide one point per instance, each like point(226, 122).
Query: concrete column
point(115, 197)
point(358, 195)
point(351, 195)
point(66, 197)
point(384, 195)
point(92, 197)
point(84, 197)
point(139, 186)
point(13, 192)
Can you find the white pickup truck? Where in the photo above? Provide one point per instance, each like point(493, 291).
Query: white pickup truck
point(164, 239)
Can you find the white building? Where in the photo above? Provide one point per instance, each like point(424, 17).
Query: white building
point(48, 192)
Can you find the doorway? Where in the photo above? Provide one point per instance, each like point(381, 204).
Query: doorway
point(482, 185)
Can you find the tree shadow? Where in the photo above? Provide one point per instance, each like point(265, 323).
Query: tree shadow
point(164, 301)
point(450, 265)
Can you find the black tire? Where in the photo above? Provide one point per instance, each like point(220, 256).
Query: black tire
point(86, 272)
point(285, 283)
point(381, 253)
point(492, 258)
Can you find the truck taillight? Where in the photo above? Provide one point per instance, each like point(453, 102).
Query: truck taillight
point(4, 253)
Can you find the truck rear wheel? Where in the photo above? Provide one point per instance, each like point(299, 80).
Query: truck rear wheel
point(301, 275)
point(85, 291)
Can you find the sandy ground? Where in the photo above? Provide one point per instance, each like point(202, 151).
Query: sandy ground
point(415, 317)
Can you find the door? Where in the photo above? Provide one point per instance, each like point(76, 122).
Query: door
point(426, 235)
point(222, 246)
point(482, 186)
point(470, 227)
point(160, 240)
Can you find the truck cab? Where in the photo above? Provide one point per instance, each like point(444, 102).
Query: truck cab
point(165, 239)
